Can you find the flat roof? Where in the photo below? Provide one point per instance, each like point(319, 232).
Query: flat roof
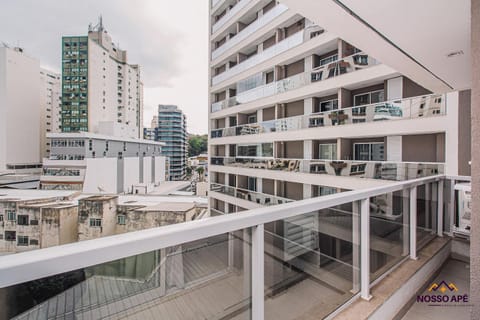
point(52, 205)
point(101, 197)
point(146, 200)
point(169, 206)
point(22, 195)
point(90, 135)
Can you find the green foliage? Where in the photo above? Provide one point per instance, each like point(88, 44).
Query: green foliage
point(197, 144)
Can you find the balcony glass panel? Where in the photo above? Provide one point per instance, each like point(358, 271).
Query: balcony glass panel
point(426, 219)
point(282, 46)
point(250, 29)
point(311, 260)
point(233, 11)
point(384, 170)
point(389, 231)
point(418, 107)
point(203, 279)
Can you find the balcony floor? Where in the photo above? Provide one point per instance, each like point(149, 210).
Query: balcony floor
point(454, 271)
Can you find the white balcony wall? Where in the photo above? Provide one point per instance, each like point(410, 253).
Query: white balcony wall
point(250, 29)
point(239, 6)
point(280, 47)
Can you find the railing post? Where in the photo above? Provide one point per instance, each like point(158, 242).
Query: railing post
point(365, 249)
point(440, 209)
point(258, 272)
point(356, 247)
point(413, 223)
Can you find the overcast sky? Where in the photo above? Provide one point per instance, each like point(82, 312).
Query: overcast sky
point(168, 38)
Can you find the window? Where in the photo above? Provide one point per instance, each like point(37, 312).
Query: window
point(34, 222)
point(373, 151)
point(95, 222)
point(327, 151)
point(33, 242)
point(368, 98)
point(22, 220)
point(1, 217)
point(11, 215)
point(10, 235)
point(121, 220)
point(22, 241)
point(329, 105)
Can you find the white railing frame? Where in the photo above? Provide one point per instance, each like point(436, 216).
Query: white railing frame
point(28, 266)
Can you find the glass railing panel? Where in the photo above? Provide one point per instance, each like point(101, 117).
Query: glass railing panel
point(389, 231)
point(311, 263)
point(263, 199)
point(426, 214)
point(210, 272)
point(394, 171)
point(280, 47)
point(233, 11)
point(250, 29)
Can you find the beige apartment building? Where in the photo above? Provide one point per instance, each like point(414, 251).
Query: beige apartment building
point(35, 219)
point(297, 112)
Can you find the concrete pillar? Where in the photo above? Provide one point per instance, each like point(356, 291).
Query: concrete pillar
point(307, 191)
point(308, 63)
point(259, 185)
point(308, 106)
point(475, 222)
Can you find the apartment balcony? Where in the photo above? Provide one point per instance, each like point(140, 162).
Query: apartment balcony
point(267, 263)
point(249, 195)
point(384, 170)
point(230, 14)
point(250, 29)
point(282, 46)
point(337, 68)
point(405, 109)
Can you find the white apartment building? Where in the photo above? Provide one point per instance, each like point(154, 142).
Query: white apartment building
point(20, 113)
point(37, 112)
point(297, 112)
point(94, 163)
point(50, 108)
point(101, 91)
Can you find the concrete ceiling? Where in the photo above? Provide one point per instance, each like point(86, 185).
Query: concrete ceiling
point(413, 37)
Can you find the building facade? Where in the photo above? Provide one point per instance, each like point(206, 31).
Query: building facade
point(172, 130)
point(51, 108)
point(35, 220)
point(296, 112)
point(95, 163)
point(101, 91)
point(19, 74)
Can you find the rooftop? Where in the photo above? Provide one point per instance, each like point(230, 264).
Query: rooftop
point(89, 135)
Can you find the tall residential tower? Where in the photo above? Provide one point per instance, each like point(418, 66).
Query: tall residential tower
point(297, 112)
point(102, 92)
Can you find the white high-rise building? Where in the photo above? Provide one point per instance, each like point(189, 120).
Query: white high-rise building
point(28, 97)
point(102, 92)
point(50, 108)
point(297, 112)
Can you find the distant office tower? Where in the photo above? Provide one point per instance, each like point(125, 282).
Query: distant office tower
point(50, 108)
point(172, 130)
point(101, 93)
point(29, 107)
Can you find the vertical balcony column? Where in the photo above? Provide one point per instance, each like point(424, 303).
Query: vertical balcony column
point(258, 266)
point(365, 249)
point(440, 209)
point(355, 247)
point(405, 218)
point(413, 223)
point(247, 270)
point(428, 192)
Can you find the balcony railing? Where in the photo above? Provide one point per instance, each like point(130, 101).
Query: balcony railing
point(384, 170)
point(280, 47)
point(345, 65)
point(250, 29)
point(411, 108)
point(233, 11)
point(247, 264)
point(257, 197)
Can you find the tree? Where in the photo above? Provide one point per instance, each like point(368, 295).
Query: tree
point(200, 170)
point(197, 144)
